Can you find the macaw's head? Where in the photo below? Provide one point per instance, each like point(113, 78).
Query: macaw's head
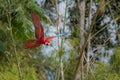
point(31, 44)
point(47, 40)
point(47, 43)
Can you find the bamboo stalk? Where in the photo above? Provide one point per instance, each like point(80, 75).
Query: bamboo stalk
point(9, 18)
point(62, 71)
point(60, 47)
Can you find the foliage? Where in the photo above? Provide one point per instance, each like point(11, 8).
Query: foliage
point(103, 72)
point(108, 71)
point(70, 67)
point(11, 73)
point(115, 61)
point(15, 28)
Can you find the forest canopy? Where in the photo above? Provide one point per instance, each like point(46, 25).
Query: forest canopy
point(88, 50)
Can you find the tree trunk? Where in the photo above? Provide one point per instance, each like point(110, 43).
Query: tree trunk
point(89, 38)
point(81, 6)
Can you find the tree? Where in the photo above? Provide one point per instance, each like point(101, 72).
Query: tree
point(91, 25)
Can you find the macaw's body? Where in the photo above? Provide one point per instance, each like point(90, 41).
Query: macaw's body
point(39, 34)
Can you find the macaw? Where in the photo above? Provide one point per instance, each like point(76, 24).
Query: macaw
point(39, 34)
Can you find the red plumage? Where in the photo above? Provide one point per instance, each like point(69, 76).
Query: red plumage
point(39, 34)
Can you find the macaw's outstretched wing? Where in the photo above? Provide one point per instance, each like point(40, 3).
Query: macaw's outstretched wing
point(49, 39)
point(30, 44)
point(39, 31)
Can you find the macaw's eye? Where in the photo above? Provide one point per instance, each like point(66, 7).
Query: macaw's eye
point(47, 43)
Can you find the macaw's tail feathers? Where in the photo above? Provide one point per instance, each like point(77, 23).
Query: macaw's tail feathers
point(30, 44)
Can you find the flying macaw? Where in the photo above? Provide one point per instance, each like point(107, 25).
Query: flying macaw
point(39, 34)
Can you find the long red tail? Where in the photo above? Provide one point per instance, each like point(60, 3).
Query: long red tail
point(30, 44)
